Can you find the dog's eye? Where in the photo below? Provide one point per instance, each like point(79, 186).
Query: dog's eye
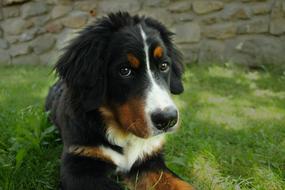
point(164, 67)
point(125, 72)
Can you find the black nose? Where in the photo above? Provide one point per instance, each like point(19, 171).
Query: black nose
point(164, 119)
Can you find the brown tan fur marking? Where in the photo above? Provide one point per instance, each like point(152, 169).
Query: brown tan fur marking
point(134, 61)
point(158, 52)
point(88, 151)
point(112, 122)
point(131, 116)
point(158, 181)
point(128, 118)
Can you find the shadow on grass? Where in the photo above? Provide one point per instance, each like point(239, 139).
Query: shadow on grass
point(235, 153)
point(231, 136)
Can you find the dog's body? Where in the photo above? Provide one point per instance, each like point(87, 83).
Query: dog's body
point(112, 105)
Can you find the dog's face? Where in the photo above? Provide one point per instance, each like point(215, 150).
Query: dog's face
point(131, 69)
point(139, 81)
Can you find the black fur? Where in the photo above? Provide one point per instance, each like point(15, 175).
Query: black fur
point(88, 80)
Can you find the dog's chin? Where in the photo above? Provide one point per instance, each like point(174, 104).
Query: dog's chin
point(156, 132)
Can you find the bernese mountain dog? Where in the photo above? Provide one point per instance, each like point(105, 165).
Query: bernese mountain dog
point(113, 107)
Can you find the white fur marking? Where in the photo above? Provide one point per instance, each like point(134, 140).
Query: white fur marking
point(157, 97)
point(134, 148)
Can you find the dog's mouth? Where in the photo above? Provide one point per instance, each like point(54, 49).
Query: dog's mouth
point(156, 132)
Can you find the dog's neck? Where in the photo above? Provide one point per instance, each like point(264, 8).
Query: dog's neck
point(135, 149)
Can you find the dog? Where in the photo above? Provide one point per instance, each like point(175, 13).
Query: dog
point(112, 105)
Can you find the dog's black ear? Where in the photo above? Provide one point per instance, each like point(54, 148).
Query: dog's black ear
point(83, 67)
point(176, 86)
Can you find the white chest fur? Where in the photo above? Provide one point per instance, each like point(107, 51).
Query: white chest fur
point(134, 149)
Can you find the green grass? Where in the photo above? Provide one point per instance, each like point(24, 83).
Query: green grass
point(29, 151)
point(232, 132)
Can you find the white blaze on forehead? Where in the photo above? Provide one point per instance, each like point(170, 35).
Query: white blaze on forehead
point(157, 96)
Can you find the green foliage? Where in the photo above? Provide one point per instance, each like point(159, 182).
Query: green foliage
point(29, 151)
point(232, 133)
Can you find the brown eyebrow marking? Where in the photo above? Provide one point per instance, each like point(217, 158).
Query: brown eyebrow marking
point(158, 52)
point(134, 61)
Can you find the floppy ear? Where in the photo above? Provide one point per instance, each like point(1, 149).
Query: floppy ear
point(176, 86)
point(83, 68)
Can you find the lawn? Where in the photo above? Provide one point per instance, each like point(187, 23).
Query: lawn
point(232, 133)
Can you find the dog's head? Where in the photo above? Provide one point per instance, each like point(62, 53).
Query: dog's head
point(126, 67)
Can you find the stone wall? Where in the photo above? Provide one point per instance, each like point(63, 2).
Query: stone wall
point(248, 32)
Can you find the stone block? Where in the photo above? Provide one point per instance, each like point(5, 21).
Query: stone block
point(43, 43)
point(54, 27)
point(277, 26)
point(236, 12)
point(60, 10)
point(180, 6)
point(204, 7)
point(85, 6)
point(187, 32)
point(260, 25)
point(156, 3)
point(211, 19)
point(34, 9)
point(21, 49)
point(256, 50)
point(160, 14)
point(40, 21)
point(12, 39)
point(11, 11)
point(31, 59)
point(59, 2)
point(221, 31)
point(28, 35)
point(40, 31)
point(77, 20)
point(5, 57)
point(260, 9)
point(3, 44)
point(182, 17)
point(14, 26)
point(277, 11)
point(211, 51)
point(11, 2)
point(190, 52)
point(108, 6)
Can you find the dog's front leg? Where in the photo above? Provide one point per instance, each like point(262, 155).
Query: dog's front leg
point(154, 175)
point(85, 173)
